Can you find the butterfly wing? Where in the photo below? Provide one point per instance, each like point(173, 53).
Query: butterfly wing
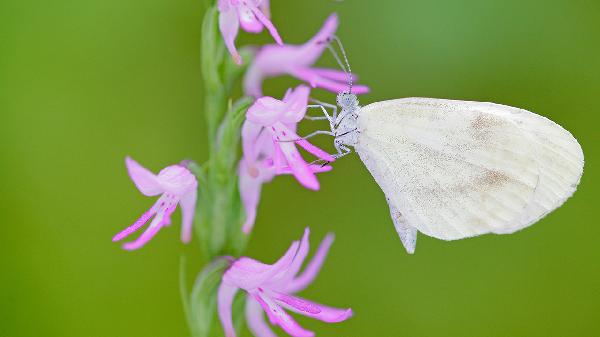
point(558, 155)
point(455, 169)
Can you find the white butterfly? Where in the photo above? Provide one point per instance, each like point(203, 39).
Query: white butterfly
point(456, 169)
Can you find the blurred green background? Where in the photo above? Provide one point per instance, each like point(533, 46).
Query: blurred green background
point(83, 83)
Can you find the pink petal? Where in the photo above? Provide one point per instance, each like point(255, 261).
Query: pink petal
point(284, 262)
point(136, 225)
point(278, 316)
point(334, 74)
point(317, 152)
point(264, 7)
point(317, 81)
point(297, 102)
point(223, 5)
point(148, 234)
point(360, 89)
point(298, 259)
point(275, 60)
point(145, 181)
point(250, 187)
point(313, 167)
point(253, 81)
point(249, 274)
point(256, 320)
point(312, 50)
point(250, 136)
point(188, 208)
point(225, 297)
point(299, 167)
point(312, 309)
point(279, 159)
point(313, 268)
point(248, 20)
point(265, 21)
point(177, 180)
point(285, 134)
point(265, 111)
point(229, 26)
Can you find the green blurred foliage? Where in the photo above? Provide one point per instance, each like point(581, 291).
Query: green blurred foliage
point(84, 83)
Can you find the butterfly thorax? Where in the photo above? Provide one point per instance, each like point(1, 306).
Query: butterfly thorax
point(346, 130)
point(346, 124)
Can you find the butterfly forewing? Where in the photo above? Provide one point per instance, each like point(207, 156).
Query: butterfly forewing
point(456, 169)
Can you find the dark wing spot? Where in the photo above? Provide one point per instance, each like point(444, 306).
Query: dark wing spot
point(493, 179)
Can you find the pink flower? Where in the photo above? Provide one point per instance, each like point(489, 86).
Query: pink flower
point(270, 288)
point(269, 142)
point(252, 15)
point(177, 185)
point(296, 60)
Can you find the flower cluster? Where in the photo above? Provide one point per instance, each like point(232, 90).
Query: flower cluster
point(271, 146)
point(297, 61)
point(177, 186)
point(251, 15)
point(269, 142)
point(271, 289)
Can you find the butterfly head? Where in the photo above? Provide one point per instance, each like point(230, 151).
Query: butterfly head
point(347, 101)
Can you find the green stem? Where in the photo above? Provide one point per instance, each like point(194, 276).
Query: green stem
point(219, 212)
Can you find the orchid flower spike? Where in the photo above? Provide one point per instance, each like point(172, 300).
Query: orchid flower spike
point(297, 60)
point(177, 185)
point(252, 15)
point(271, 288)
point(269, 142)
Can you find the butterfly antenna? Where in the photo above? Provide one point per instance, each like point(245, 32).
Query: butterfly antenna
point(343, 51)
point(345, 66)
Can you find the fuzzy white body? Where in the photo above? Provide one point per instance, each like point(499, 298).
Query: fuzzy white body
point(456, 169)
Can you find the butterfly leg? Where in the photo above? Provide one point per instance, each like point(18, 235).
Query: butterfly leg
point(342, 149)
point(326, 116)
point(319, 132)
point(333, 107)
point(310, 135)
